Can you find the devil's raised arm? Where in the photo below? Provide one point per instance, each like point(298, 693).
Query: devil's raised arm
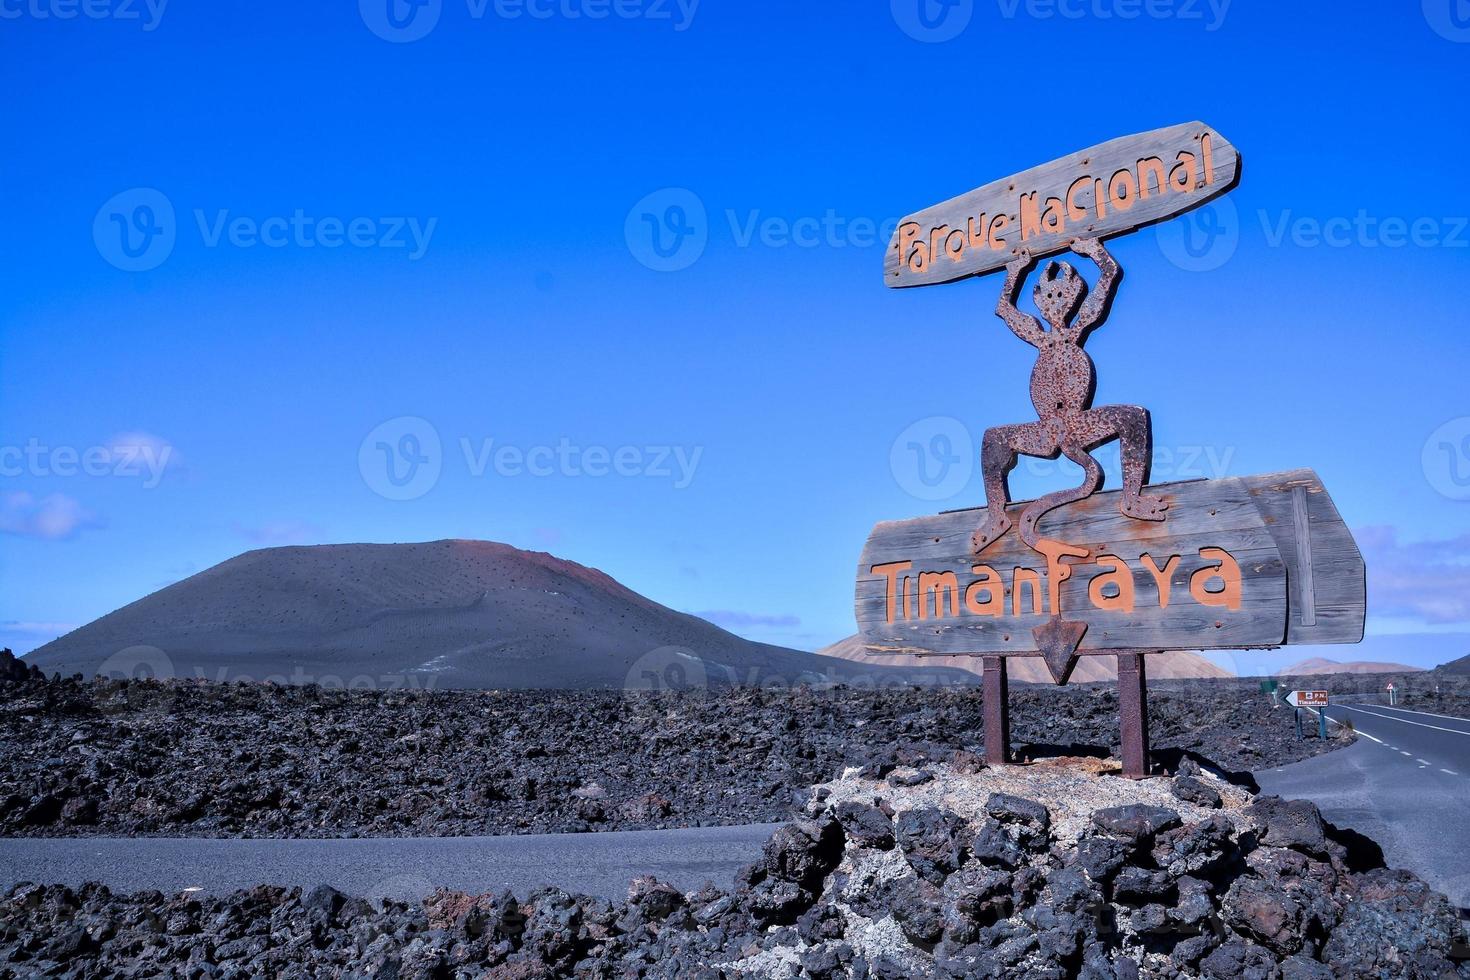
point(1023, 325)
point(1096, 306)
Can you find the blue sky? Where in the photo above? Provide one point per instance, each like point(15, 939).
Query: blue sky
point(342, 234)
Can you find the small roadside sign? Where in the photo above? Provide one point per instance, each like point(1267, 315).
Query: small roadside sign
point(1307, 699)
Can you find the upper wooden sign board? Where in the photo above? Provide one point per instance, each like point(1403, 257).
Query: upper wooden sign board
point(1112, 188)
point(1239, 563)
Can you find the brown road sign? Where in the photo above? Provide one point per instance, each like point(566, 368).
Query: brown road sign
point(1241, 563)
point(1114, 187)
point(1307, 699)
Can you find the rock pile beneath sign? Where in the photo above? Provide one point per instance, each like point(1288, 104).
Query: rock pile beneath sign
point(252, 760)
point(1052, 870)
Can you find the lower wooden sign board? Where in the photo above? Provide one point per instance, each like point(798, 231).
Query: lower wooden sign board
point(1240, 563)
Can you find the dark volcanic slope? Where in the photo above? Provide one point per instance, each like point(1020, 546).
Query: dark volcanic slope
point(467, 614)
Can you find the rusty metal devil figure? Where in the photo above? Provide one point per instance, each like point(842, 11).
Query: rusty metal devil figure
point(1062, 386)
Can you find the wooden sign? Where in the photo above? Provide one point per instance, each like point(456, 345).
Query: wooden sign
point(1240, 563)
point(1114, 187)
point(1307, 699)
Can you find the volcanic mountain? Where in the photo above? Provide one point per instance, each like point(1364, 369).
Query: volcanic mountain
point(1322, 665)
point(1032, 670)
point(462, 614)
point(1458, 666)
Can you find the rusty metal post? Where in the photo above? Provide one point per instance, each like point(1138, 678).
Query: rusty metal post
point(1133, 709)
point(997, 712)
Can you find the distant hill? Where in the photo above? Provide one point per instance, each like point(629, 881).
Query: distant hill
point(1322, 665)
point(463, 614)
point(1175, 664)
point(1460, 666)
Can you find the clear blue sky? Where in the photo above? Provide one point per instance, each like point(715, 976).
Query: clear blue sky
point(533, 308)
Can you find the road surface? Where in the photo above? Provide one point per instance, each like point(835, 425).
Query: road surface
point(1405, 783)
point(402, 868)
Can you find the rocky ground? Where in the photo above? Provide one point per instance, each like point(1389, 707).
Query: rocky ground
point(202, 759)
point(936, 871)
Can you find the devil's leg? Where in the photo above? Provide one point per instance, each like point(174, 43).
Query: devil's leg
point(997, 457)
point(1131, 425)
point(1091, 480)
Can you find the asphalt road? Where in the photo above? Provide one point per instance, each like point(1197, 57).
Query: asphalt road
point(1405, 783)
point(403, 868)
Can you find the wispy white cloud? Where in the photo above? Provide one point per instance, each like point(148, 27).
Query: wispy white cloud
point(54, 517)
point(1427, 581)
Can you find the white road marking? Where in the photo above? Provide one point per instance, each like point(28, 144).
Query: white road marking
point(1422, 762)
point(1340, 724)
point(1431, 714)
point(1405, 721)
point(1402, 752)
point(1449, 772)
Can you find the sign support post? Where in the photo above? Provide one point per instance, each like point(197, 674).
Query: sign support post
point(996, 693)
point(1133, 709)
